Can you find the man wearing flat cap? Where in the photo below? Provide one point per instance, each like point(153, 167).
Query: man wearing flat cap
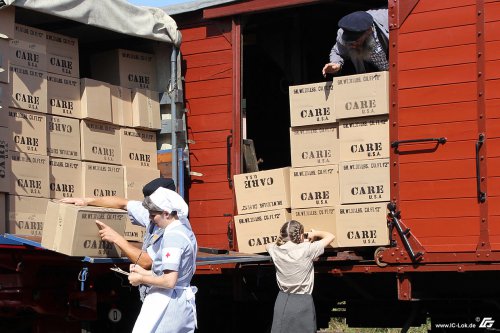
point(138, 215)
point(362, 38)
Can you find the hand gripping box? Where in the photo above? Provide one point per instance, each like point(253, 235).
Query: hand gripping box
point(262, 190)
point(72, 230)
point(322, 218)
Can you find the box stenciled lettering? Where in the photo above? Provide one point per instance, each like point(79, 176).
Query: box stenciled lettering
point(364, 138)
point(4, 60)
point(4, 99)
point(26, 215)
point(28, 48)
point(95, 100)
point(7, 22)
point(362, 225)
point(5, 166)
point(134, 232)
point(100, 142)
point(361, 95)
point(135, 179)
point(101, 180)
point(262, 190)
point(125, 68)
point(312, 187)
point(138, 148)
point(63, 93)
point(364, 181)
point(254, 231)
point(64, 137)
point(312, 104)
point(30, 175)
point(72, 230)
point(121, 105)
point(28, 88)
point(28, 131)
point(146, 109)
point(65, 178)
point(318, 219)
point(62, 55)
point(314, 145)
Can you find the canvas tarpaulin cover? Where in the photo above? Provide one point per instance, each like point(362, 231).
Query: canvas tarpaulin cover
point(116, 15)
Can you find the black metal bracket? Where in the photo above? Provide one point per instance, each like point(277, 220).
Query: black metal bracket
point(481, 196)
point(229, 144)
point(395, 216)
point(441, 140)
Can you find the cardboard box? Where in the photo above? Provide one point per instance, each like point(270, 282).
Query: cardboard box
point(100, 142)
point(254, 231)
point(7, 20)
point(262, 190)
point(135, 179)
point(28, 131)
point(312, 187)
point(26, 215)
point(146, 109)
point(5, 167)
point(30, 175)
point(63, 137)
point(72, 230)
point(362, 225)
point(63, 95)
point(62, 55)
point(95, 100)
point(100, 180)
point(125, 68)
point(65, 178)
point(364, 181)
point(4, 60)
point(28, 89)
point(314, 145)
point(134, 233)
point(318, 219)
point(312, 104)
point(3, 213)
point(364, 138)
point(361, 95)
point(121, 105)
point(28, 48)
point(138, 148)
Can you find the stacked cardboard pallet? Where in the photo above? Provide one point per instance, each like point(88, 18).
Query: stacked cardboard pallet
point(339, 177)
point(66, 136)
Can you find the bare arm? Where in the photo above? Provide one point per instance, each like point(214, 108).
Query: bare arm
point(108, 202)
point(134, 254)
point(139, 276)
point(325, 237)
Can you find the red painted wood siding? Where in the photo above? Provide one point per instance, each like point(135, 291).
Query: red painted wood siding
point(437, 97)
point(207, 67)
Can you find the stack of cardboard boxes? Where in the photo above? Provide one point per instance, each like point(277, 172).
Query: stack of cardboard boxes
point(66, 136)
point(339, 178)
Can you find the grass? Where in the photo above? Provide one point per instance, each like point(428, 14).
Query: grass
point(338, 325)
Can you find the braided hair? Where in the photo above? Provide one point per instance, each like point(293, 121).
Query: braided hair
point(290, 231)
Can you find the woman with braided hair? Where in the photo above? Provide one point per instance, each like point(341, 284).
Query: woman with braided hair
point(293, 255)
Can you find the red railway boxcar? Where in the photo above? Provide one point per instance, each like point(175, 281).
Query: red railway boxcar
point(240, 57)
point(238, 60)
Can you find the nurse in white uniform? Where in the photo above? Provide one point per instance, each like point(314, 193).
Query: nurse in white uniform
point(169, 306)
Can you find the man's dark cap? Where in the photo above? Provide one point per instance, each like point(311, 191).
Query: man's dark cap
point(355, 24)
point(153, 185)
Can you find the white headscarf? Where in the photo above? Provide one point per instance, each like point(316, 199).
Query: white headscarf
point(169, 201)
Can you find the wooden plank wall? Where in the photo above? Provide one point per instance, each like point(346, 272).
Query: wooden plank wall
point(207, 67)
point(437, 96)
point(492, 102)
